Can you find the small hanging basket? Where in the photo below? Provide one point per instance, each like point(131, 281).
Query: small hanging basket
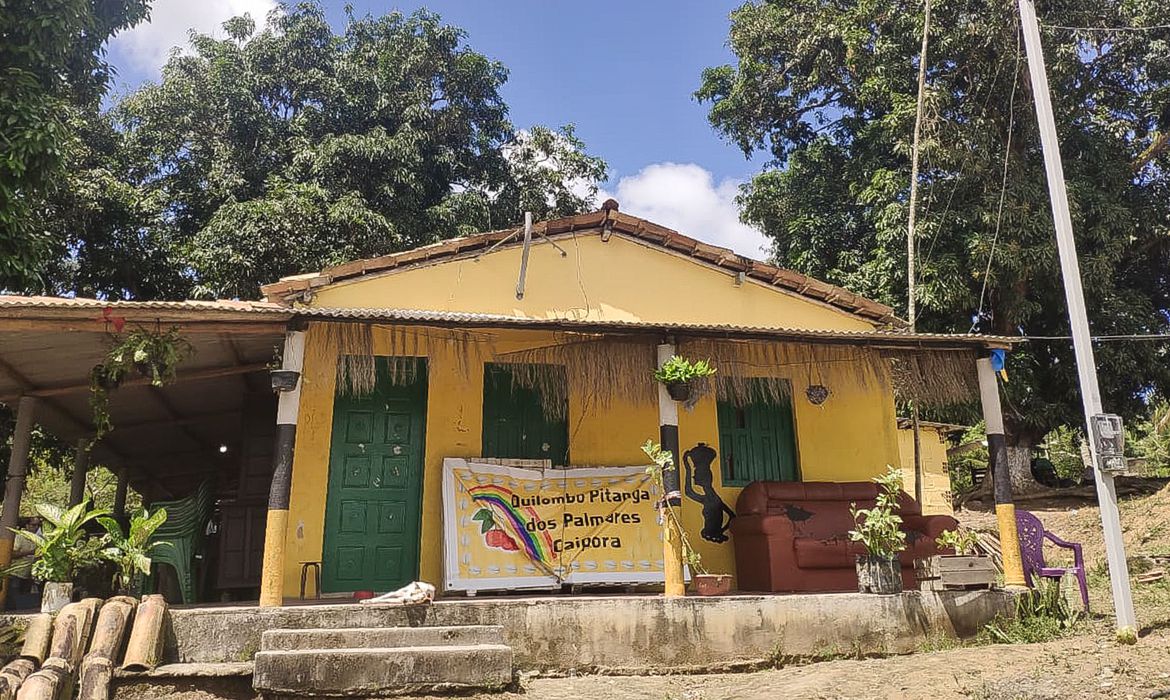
point(680, 391)
point(284, 379)
point(817, 394)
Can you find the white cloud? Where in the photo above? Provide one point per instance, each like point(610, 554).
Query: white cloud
point(685, 197)
point(145, 47)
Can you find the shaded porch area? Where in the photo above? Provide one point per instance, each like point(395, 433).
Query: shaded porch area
point(211, 427)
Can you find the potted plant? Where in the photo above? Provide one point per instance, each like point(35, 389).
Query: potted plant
point(680, 376)
point(967, 568)
point(703, 582)
point(130, 551)
point(153, 354)
point(60, 551)
point(880, 529)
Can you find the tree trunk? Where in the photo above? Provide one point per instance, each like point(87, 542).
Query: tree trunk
point(1019, 459)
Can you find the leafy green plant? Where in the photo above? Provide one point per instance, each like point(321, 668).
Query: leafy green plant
point(1042, 613)
point(63, 549)
point(680, 369)
point(130, 551)
point(962, 541)
point(154, 354)
point(880, 528)
point(663, 461)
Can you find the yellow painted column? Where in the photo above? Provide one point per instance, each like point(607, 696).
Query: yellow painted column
point(276, 528)
point(672, 547)
point(1005, 509)
point(672, 555)
point(17, 468)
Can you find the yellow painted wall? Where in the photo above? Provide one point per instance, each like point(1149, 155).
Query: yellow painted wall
point(936, 483)
point(852, 436)
point(618, 280)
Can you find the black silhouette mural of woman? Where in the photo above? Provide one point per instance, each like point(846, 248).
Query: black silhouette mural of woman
point(698, 461)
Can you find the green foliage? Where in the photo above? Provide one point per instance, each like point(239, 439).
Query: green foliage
point(880, 528)
point(51, 61)
point(63, 549)
point(1042, 614)
point(1062, 445)
point(130, 551)
point(828, 90)
point(963, 541)
point(153, 354)
point(287, 147)
point(680, 369)
point(1148, 438)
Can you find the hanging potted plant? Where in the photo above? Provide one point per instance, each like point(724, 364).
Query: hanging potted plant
point(681, 376)
point(60, 551)
point(880, 529)
point(130, 551)
point(703, 582)
point(153, 354)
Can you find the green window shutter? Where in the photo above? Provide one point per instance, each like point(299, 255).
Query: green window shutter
point(757, 442)
point(514, 422)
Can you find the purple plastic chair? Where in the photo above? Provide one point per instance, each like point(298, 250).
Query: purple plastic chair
point(1032, 536)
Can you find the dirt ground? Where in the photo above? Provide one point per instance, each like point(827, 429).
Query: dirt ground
point(1086, 664)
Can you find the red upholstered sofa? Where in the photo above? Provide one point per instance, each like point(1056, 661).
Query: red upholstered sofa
point(794, 536)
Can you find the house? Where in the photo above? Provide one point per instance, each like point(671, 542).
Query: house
point(934, 439)
point(523, 362)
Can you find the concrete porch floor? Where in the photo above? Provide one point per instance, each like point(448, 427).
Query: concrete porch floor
point(624, 633)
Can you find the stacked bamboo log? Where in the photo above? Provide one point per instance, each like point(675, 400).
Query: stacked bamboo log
point(82, 645)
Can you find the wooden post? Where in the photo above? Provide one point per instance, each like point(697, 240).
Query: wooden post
point(14, 488)
point(672, 549)
point(80, 469)
point(120, 494)
point(1005, 509)
point(272, 573)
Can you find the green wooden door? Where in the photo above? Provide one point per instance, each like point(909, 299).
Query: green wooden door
point(514, 421)
point(757, 442)
point(374, 503)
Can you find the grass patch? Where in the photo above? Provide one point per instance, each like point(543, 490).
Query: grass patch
point(1042, 614)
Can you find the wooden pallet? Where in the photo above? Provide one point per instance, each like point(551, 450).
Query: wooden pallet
point(955, 573)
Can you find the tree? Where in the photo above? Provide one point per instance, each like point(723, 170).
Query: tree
point(272, 152)
point(828, 90)
point(51, 61)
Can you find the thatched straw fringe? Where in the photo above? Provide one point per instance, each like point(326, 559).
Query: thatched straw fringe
point(933, 378)
point(354, 345)
point(356, 367)
point(754, 371)
point(598, 370)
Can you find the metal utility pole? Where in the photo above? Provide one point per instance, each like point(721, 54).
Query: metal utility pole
point(1078, 318)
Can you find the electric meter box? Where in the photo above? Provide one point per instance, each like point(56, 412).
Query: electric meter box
point(1109, 442)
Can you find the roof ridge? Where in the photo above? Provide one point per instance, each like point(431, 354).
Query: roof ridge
point(607, 220)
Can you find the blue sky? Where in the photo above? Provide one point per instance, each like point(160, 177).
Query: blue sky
point(623, 72)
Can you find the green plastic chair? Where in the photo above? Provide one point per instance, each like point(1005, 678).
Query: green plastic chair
point(184, 532)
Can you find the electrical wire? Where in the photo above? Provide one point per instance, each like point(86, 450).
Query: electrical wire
point(1007, 156)
point(1061, 27)
point(1100, 338)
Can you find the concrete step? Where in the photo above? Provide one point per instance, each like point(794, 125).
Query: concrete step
point(379, 637)
point(373, 672)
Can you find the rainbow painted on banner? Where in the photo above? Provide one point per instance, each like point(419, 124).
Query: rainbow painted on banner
point(537, 546)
